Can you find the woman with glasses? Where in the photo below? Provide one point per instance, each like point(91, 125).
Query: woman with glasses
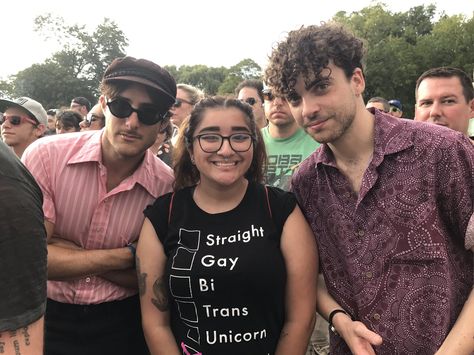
point(226, 265)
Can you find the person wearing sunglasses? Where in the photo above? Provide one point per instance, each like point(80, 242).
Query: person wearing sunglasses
point(24, 120)
point(395, 108)
point(250, 91)
point(94, 120)
point(226, 264)
point(286, 143)
point(186, 97)
point(95, 186)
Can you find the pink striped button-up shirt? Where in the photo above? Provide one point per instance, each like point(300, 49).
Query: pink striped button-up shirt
point(69, 170)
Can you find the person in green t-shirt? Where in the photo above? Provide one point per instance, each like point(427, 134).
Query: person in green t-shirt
point(286, 143)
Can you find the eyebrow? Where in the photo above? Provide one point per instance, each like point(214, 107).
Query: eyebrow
point(217, 129)
point(318, 80)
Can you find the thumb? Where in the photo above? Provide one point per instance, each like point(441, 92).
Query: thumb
point(372, 337)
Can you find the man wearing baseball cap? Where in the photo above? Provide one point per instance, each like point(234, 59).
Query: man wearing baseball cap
point(24, 121)
point(95, 186)
point(396, 109)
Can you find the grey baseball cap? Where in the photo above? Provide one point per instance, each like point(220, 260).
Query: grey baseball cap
point(33, 107)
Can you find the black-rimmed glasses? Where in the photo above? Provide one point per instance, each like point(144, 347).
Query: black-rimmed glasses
point(148, 114)
point(268, 95)
point(212, 142)
point(250, 100)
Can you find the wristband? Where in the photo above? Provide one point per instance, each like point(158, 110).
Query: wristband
point(132, 249)
point(331, 316)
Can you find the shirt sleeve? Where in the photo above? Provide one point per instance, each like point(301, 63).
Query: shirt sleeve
point(22, 254)
point(282, 204)
point(456, 187)
point(158, 214)
point(38, 161)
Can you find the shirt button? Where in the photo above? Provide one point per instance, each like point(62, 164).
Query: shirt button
point(376, 316)
point(347, 195)
point(360, 233)
point(369, 274)
point(88, 279)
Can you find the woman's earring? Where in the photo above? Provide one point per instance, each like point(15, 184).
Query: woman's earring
point(192, 160)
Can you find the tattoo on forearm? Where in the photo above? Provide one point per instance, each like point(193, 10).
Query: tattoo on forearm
point(141, 278)
point(25, 333)
point(16, 346)
point(161, 295)
point(14, 334)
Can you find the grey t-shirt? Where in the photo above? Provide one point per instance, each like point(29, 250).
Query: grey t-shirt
point(23, 248)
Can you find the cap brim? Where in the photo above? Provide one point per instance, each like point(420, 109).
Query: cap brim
point(4, 104)
point(145, 82)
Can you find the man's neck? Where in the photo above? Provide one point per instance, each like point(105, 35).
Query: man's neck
point(118, 167)
point(357, 144)
point(282, 131)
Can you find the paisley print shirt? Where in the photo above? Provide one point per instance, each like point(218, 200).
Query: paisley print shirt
point(396, 255)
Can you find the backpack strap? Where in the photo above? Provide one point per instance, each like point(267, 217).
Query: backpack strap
point(171, 207)
point(268, 202)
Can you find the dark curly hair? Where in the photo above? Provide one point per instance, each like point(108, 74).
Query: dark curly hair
point(308, 51)
point(186, 174)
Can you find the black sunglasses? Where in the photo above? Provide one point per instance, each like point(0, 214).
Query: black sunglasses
point(148, 114)
point(179, 103)
point(268, 95)
point(250, 100)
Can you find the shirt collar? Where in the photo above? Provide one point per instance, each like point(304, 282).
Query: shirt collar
point(150, 169)
point(390, 137)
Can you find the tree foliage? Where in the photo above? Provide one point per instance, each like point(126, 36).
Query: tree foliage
point(76, 69)
point(401, 45)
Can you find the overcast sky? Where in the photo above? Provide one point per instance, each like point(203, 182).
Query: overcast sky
point(213, 33)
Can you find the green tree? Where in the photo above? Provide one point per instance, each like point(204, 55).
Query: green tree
point(75, 70)
point(245, 69)
point(402, 45)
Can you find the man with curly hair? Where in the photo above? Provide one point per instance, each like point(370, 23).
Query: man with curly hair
point(390, 202)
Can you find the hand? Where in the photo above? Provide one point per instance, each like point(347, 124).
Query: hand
point(358, 337)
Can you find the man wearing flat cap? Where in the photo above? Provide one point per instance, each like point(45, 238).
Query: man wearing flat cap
point(96, 185)
point(24, 121)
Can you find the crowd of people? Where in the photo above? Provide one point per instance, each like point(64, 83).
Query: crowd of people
point(290, 218)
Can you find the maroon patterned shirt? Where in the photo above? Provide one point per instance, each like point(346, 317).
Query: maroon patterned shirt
point(396, 255)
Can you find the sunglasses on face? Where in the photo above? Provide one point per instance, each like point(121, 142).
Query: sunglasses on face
point(268, 95)
point(92, 118)
point(250, 100)
point(17, 120)
point(179, 103)
point(148, 114)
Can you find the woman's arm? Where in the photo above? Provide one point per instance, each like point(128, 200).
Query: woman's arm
point(301, 258)
point(154, 305)
point(356, 335)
